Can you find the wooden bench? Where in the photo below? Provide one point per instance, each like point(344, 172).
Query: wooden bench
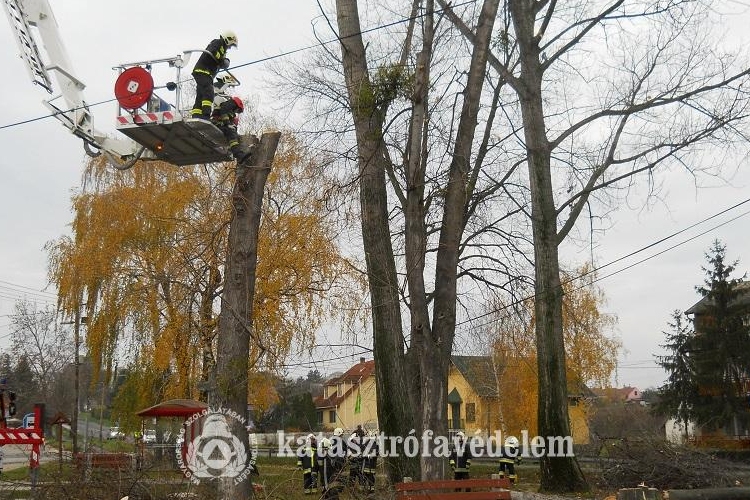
point(481, 489)
point(104, 460)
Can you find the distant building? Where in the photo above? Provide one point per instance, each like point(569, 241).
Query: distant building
point(350, 399)
point(619, 395)
point(473, 396)
point(735, 434)
point(676, 432)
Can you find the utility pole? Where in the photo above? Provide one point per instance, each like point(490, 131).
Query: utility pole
point(77, 321)
point(76, 384)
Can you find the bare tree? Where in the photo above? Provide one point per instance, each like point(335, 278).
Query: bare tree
point(608, 92)
point(432, 314)
point(38, 336)
point(403, 104)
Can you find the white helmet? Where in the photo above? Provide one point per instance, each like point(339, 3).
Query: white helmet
point(226, 80)
point(310, 438)
point(511, 441)
point(230, 37)
point(338, 432)
point(460, 435)
point(325, 443)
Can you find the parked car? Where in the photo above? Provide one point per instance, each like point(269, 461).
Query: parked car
point(115, 433)
point(149, 436)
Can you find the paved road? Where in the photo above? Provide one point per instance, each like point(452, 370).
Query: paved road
point(17, 455)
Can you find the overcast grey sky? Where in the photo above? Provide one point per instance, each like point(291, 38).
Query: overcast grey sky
point(41, 164)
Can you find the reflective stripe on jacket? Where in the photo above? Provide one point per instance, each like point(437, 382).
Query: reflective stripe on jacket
point(209, 63)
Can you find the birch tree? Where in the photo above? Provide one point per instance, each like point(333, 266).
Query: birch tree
point(37, 336)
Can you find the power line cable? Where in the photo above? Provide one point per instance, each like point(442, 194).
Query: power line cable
point(24, 293)
point(672, 247)
point(532, 296)
point(27, 288)
point(250, 63)
point(314, 362)
point(34, 300)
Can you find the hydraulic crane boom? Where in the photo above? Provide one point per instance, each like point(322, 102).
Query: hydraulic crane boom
point(155, 129)
point(74, 112)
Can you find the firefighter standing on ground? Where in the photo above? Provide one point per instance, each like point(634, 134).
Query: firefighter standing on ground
point(338, 452)
point(355, 458)
point(308, 463)
point(370, 460)
point(330, 469)
point(204, 71)
point(460, 459)
point(508, 459)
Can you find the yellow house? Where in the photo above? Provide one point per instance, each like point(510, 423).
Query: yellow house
point(349, 400)
point(578, 413)
point(473, 396)
point(474, 400)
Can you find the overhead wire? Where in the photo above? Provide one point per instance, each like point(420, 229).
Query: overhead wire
point(619, 259)
point(250, 63)
point(314, 362)
point(4, 291)
point(12, 293)
point(27, 288)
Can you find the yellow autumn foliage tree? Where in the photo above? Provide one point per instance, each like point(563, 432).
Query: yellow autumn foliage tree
point(590, 349)
point(146, 259)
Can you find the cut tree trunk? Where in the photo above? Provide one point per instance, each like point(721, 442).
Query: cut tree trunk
point(229, 390)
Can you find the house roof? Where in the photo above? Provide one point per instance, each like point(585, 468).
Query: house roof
point(578, 389)
point(174, 408)
point(614, 393)
point(479, 373)
point(352, 378)
point(454, 397)
point(742, 299)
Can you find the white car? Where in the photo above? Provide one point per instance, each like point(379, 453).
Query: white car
point(115, 433)
point(149, 436)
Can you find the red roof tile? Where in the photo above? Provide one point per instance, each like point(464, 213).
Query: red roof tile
point(352, 377)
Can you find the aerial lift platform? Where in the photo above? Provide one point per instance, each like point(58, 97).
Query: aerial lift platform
point(155, 128)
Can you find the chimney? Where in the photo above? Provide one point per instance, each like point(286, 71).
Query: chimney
point(361, 360)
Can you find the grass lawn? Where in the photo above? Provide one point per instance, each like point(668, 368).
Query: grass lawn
point(280, 480)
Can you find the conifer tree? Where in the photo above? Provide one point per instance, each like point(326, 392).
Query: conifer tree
point(721, 347)
point(708, 364)
point(678, 394)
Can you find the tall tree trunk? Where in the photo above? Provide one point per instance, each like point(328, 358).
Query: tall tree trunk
point(207, 329)
point(395, 393)
point(230, 384)
point(557, 473)
point(436, 344)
